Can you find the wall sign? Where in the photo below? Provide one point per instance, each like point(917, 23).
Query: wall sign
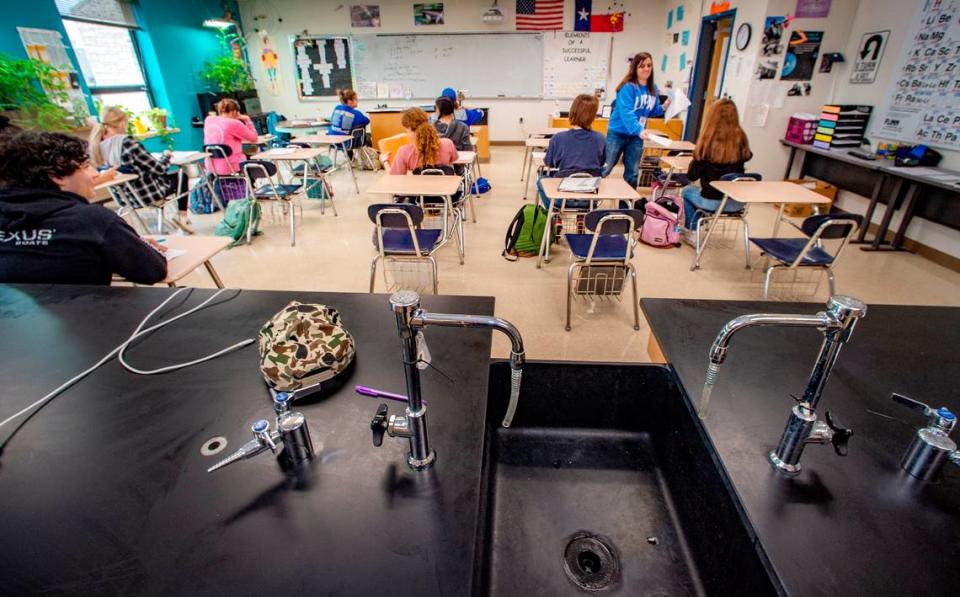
point(922, 102)
point(801, 55)
point(869, 55)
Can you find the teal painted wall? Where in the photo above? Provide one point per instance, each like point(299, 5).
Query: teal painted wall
point(173, 43)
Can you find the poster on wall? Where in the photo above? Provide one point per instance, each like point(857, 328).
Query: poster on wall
point(922, 102)
point(869, 54)
point(771, 44)
point(801, 57)
point(812, 9)
point(323, 65)
point(270, 62)
point(364, 15)
point(428, 14)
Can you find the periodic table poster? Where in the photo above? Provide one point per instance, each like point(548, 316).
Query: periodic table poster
point(922, 104)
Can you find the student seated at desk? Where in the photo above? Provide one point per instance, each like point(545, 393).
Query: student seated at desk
point(470, 117)
point(49, 233)
point(427, 150)
point(722, 149)
point(231, 128)
point(345, 116)
point(111, 146)
point(580, 149)
point(449, 127)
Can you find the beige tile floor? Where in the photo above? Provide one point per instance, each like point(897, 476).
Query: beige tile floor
point(334, 254)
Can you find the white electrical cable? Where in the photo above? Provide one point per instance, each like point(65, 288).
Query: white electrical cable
point(119, 349)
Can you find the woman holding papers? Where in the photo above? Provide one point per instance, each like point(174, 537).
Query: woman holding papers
point(637, 100)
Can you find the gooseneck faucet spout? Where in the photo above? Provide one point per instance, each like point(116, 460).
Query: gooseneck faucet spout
point(837, 324)
point(411, 320)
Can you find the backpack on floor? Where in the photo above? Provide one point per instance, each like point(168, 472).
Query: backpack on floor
point(525, 232)
point(201, 201)
point(230, 188)
point(366, 158)
point(235, 219)
point(481, 186)
point(661, 226)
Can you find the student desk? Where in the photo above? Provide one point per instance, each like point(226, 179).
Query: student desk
point(468, 159)
point(531, 145)
point(301, 126)
point(778, 191)
point(301, 154)
point(922, 195)
point(673, 145)
point(199, 251)
point(122, 193)
point(547, 132)
point(409, 185)
point(336, 142)
point(611, 189)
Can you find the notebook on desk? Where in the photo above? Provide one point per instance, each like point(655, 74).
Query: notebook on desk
point(572, 184)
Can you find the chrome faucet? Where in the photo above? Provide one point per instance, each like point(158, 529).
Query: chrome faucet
point(290, 442)
point(411, 320)
point(837, 324)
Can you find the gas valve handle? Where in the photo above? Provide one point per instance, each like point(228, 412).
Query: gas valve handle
point(378, 425)
point(841, 435)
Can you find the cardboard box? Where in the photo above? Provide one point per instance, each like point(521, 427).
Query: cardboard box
point(803, 210)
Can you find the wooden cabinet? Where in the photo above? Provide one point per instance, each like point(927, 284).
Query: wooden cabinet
point(670, 128)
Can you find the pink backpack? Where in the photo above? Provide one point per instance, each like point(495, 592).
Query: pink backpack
point(661, 227)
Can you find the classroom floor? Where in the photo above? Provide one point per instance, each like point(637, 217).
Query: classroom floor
point(334, 254)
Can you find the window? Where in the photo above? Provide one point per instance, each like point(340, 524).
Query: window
point(110, 62)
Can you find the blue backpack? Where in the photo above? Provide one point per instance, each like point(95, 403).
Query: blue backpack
point(482, 185)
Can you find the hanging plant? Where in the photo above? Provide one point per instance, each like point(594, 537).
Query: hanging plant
point(34, 94)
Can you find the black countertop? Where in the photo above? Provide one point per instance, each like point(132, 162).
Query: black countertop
point(105, 490)
point(856, 525)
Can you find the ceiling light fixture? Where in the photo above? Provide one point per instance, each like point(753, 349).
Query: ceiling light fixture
point(493, 14)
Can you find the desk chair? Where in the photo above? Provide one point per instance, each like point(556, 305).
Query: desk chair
point(792, 253)
point(400, 238)
point(317, 169)
point(219, 151)
point(567, 214)
point(734, 210)
point(346, 148)
point(430, 203)
point(129, 202)
point(389, 146)
point(259, 175)
point(601, 257)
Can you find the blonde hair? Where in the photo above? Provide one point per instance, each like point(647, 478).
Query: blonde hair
point(427, 141)
point(111, 116)
point(721, 140)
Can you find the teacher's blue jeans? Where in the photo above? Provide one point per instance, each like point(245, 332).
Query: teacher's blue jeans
point(631, 148)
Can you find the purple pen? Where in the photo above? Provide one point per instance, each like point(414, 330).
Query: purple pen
point(375, 393)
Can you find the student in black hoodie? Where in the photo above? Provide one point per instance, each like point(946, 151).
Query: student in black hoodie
point(49, 232)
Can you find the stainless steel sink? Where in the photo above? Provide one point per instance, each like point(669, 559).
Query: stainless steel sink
point(605, 483)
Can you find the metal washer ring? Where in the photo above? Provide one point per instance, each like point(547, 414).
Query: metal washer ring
point(214, 445)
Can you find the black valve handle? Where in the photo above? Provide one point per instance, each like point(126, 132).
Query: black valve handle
point(378, 425)
point(841, 435)
point(911, 403)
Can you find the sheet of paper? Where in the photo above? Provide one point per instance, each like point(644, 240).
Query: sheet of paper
point(171, 254)
point(659, 140)
point(367, 89)
point(678, 103)
point(396, 90)
point(279, 151)
point(758, 115)
point(383, 91)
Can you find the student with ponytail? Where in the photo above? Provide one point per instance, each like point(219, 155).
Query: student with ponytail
point(109, 145)
point(228, 127)
point(346, 117)
point(637, 100)
point(427, 150)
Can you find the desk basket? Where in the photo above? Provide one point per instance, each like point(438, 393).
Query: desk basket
point(801, 130)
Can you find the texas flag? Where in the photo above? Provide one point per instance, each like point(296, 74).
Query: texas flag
point(585, 19)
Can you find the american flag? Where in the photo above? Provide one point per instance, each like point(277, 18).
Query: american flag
point(539, 15)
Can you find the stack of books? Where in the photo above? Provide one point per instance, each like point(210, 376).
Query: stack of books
point(841, 126)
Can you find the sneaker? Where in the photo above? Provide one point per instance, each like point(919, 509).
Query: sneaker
point(687, 236)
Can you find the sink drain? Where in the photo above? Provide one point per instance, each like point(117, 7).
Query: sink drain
point(591, 561)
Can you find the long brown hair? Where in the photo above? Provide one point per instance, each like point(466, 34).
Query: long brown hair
point(631, 76)
point(427, 140)
point(721, 140)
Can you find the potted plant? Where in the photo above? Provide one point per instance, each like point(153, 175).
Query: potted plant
point(34, 95)
point(228, 73)
point(157, 117)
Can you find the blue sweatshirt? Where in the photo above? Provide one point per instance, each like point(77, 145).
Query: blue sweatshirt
point(344, 119)
point(633, 106)
point(576, 150)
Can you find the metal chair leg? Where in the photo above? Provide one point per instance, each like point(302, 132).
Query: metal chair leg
point(373, 272)
point(570, 270)
point(746, 241)
point(833, 287)
point(636, 300)
point(433, 263)
point(766, 282)
point(293, 227)
point(459, 217)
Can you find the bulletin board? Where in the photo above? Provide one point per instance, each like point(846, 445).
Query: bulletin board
point(322, 65)
point(575, 62)
point(922, 102)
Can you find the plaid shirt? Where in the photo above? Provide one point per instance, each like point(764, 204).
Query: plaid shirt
point(153, 185)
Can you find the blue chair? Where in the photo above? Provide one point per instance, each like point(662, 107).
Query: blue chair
point(792, 253)
point(398, 237)
point(261, 186)
point(733, 210)
point(280, 139)
point(601, 258)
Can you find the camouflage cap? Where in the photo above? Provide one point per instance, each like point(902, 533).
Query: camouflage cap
point(303, 345)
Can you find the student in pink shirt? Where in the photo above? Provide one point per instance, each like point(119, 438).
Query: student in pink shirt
point(427, 149)
point(229, 127)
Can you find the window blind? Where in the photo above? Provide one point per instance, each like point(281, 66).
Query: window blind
point(112, 12)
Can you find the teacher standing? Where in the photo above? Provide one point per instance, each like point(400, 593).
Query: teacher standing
point(637, 100)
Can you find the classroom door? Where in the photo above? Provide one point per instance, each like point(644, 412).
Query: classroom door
point(711, 62)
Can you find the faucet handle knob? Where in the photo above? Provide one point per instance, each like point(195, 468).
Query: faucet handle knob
point(911, 403)
point(841, 435)
point(378, 425)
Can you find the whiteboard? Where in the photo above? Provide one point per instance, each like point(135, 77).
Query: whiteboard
point(922, 102)
point(487, 65)
point(575, 62)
